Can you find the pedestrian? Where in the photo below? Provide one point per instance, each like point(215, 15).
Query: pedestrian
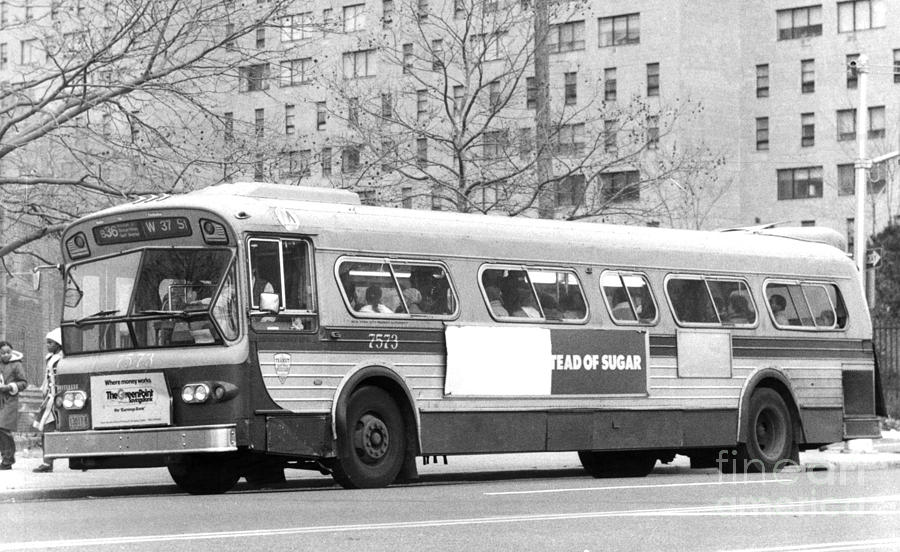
point(12, 381)
point(46, 421)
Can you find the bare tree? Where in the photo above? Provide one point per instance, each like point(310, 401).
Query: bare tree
point(112, 100)
point(450, 115)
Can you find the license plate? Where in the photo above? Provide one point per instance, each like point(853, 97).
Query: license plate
point(79, 421)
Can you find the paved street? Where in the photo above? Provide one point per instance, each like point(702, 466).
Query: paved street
point(839, 501)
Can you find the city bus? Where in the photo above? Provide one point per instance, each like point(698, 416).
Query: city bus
point(246, 328)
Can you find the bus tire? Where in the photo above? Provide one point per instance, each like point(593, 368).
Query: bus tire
point(203, 474)
point(770, 437)
point(372, 446)
point(617, 464)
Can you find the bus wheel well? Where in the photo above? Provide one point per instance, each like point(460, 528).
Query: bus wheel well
point(782, 389)
point(401, 399)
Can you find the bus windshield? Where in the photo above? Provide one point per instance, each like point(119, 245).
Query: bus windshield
point(151, 298)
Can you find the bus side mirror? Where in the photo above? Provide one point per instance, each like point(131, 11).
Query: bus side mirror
point(269, 302)
point(36, 275)
point(72, 297)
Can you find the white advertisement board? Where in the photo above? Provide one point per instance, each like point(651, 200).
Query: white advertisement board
point(128, 400)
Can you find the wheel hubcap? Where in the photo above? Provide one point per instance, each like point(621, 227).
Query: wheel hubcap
point(372, 438)
point(769, 433)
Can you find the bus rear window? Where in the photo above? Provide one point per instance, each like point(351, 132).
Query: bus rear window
point(808, 306)
point(698, 300)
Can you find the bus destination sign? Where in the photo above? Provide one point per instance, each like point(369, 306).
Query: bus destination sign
point(157, 228)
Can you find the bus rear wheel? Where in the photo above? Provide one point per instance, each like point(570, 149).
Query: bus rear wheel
point(617, 464)
point(372, 445)
point(202, 474)
point(770, 436)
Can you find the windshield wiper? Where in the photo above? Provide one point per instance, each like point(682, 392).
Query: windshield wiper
point(173, 314)
point(99, 314)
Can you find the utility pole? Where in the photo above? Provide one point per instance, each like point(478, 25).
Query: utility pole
point(862, 166)
point(543, 169)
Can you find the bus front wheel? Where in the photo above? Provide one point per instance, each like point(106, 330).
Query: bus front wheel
point(372, 445)
point(204, 474)
point(770, 437)
point(617, 464)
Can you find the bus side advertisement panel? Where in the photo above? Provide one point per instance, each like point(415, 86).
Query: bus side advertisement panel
point(599, 362)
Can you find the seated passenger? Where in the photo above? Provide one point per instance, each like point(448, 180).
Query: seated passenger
point(413, 298)
point(550, 306)
point(825, 319)
point(778, 304)
point(621, 308)
point(738, 310)
point(574, 308)
point(495, 300)
point(373, 301)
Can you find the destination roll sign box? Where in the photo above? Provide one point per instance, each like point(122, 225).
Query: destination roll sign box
point(156, 228)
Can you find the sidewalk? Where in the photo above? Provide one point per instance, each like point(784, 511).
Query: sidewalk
point(885, 455)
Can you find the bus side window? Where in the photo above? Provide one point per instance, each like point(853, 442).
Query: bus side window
point(691, 302)
point(628, 297)
point(733, 302)
point(425, 289)
point(559, 295)
point(821, 305)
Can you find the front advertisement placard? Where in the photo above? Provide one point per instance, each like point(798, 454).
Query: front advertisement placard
point(128, 400)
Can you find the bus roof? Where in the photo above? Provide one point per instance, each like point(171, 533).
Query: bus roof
point(340, 222)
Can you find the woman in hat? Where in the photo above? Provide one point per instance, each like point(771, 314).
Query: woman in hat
point(46, 422)
point(12, 381)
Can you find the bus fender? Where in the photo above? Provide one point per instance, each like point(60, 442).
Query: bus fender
point(363, 371)
point(750, 385)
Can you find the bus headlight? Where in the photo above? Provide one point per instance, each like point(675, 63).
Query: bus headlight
point(193, 393)
point(73, 400)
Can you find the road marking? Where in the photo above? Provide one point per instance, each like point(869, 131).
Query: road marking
point(660, 486)
point(792, 509)
point(828, 546)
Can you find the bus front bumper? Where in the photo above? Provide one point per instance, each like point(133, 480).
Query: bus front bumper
point(133, 442)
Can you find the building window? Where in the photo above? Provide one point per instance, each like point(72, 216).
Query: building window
point(571, 88)
point(289, 119)
point(320, 115)
point(387, 105)
point(422, 9)
point(350, 159)
point(259, 124)
point(437, 54)
point(494, 144)
point(421, 152)
point(896, 66)
point(799, 22)
point(851, 234)
point(570, 191)
point(326, 161)
point(29, 10)
point(4, 56)
point(296, 27)
point(261, 37)
point(4, 14)
point(530, 93)
point(387, 13)
point(407, 59)
point(807, 223)
point(652, 79)
point(566, 37)
point(860, 15)
point(359, 64)
point(652, 131)
point(494, 95)
point(570, 139)
point(807, 76)
point(354, 18)
point(800, 183)
point(230, 44)
point(621, 186)
point(807, 130)
point(353, 111)
point(610, 136)
point(846, 179)
point(368, 197)
point(852, 73)
point(422, 104)
point(406, 197)
point(295, 164)
point(296, 71)
point(258, 168)
point(255, 77)
point(228, 123)
point(459, 92)
point(609, 84)
point(619, 30)
point(876, 122)
point(762, 81)
point(846, 124)
point(762, 133)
